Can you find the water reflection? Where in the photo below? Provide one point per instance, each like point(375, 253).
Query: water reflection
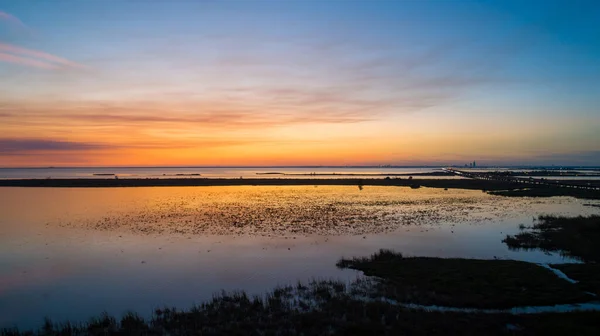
point(58, 259)
point(211, 172)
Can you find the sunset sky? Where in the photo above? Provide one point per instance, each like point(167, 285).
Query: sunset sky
point(216, 82)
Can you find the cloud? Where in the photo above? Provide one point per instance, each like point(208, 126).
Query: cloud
point(29, 57)
point(215, 119)
point(357, 77)
point(11, 146)
point(24, 61)
point(31, 147)
point(11, 20)
point(35, 58)
point(208, 113)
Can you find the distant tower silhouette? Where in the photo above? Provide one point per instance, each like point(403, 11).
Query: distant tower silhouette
point(474, 164)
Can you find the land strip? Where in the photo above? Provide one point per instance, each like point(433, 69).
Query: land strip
point(495, 187)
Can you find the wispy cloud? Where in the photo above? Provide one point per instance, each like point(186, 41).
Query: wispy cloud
point(11, 20)
point(24, 61)
point(45, 146)
point(29, 57)
point(216, 119)
point(8, 146)
point(34, 146)
point(15, 54)
point(184, 114)
point(147, 121)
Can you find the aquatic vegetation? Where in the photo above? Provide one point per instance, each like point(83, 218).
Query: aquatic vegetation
point(324, 306)
point(276, 211)
point(499, 187)
point(464, 282)
point(575, 237)
point(547, 192)
point(454, 182)
point(293, 210)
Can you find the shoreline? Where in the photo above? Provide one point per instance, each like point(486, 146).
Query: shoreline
point(202, 182)
point(505, 188)
point(478, 295)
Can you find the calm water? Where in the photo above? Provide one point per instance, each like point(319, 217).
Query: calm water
point(224, 172)
point(565, 178)
point(73, 253)
point(245, 172)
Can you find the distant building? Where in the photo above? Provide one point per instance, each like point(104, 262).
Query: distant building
point(474, 164)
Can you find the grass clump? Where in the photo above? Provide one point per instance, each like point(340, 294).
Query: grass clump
point(339, 314)
point(539, 191)
point(464, 282)
point(575, 237)
point(367, 306)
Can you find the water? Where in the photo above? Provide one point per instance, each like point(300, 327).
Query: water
point(564, 178)
point(578, 170)
point(254, 172)
point(214, 172)
point(73, 253)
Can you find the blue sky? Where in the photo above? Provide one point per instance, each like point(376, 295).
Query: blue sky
point(378, 82)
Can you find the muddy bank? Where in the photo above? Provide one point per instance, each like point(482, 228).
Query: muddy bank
point(183, 182)
point(576, 237)
point(495, 187)
point(465, 283)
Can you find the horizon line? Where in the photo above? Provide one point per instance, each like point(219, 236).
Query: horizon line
point(313, 166)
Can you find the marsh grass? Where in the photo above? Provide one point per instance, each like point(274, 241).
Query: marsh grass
point(329, 310)
point(464, 282)
point(181, 182)
point(541, 191)
point(575, 237)
point(328, 307)
point(367, 306)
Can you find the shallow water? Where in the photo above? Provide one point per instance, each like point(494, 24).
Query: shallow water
point(207, 172)
point(73, 253)
point(564, 178)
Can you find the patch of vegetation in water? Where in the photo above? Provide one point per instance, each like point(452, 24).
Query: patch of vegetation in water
point(464, 282)
point(548, 192)
point(366, 306)
point(575, 237)
point(323, 307)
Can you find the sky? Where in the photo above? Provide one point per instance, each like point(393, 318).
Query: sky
point(299, 82)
